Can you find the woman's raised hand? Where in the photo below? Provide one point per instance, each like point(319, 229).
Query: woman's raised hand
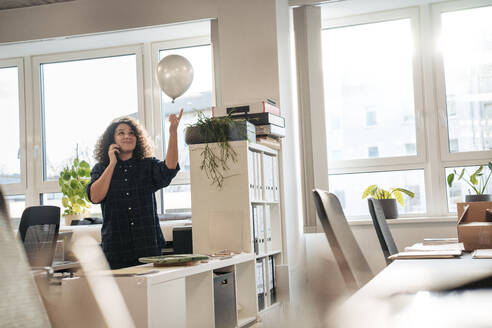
point(174, 120)
point(113, 150)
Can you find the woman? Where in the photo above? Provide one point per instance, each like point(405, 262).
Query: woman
point(124, 182)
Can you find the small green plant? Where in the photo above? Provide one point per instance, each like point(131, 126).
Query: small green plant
point(476, 181)
point(379, 193)
point(215, 129)
point(73, 181)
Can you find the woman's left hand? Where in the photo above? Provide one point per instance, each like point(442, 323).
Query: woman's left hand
point(174, 120)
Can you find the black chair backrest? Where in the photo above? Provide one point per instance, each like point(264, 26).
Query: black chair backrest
point(380, 225)
point(38, 231)
point(348, 255)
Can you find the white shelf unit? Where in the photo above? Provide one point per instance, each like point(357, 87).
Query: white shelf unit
point(223, 219)
point(176, 296)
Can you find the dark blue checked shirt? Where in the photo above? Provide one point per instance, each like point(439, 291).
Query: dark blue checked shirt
point(130, 224)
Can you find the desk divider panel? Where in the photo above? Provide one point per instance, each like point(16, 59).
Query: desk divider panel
point(246, 299)
point(167, 300)
point(199, 300)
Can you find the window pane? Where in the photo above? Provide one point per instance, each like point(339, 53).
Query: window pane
point(197, 98)
point(350, 187)
point(79, 99)
point(16, 204)
point(460, 188)
point(177, 198)
point(467, 49)
point(9, 116)
point(55, 199)
point(368, 86)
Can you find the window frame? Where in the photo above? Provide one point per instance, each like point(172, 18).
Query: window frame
point(20, 187)
point(50, 186)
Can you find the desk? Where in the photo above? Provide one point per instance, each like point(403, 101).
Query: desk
point(409, 276)
point(181, 296)
point(397, 297)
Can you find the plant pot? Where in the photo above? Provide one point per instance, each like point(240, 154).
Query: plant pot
point(71, 217)
point(241, 130)
point(390, 208)
point(478, 198)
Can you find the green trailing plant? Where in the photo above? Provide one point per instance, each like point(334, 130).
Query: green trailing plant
point(215, 130)
point(73, 182)
point(396, 193)
point(476, 180)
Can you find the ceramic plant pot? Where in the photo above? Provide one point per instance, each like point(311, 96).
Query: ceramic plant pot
point(478, 198)
point(70, 217)
point(390, 208)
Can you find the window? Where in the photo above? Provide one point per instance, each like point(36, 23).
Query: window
point(383, 63)
point(373, 151)
point(410, 148)
point(198, 98)
point(453, 145)
point(75, 89)
point(352, 186)
point(369, 81)
point(466, 49)
point(371, 118)
point(76, 107)
point(369, 63)
point(10, 164)
point(461, 188)
point(55, 199)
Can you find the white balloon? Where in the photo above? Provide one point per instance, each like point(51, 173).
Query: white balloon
point(175, 74)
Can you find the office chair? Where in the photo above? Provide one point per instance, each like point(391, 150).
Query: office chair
point(380, 225)
point(349, 257)
point(38, 231)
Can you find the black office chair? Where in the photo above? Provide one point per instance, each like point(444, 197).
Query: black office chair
point(348, 255)
point(384, 234)
point(38, 231)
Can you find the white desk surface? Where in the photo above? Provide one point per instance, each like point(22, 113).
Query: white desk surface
point(398, 296)
point(409, 276)
point(161, 274)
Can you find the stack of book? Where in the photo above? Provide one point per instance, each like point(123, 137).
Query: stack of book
point(265, 115)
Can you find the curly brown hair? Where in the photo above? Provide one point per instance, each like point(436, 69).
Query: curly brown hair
point(143, 147)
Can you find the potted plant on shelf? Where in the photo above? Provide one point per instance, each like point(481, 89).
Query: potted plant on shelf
point(388, 199)
point(218, 130)
point(73, 182)
point(476, 181)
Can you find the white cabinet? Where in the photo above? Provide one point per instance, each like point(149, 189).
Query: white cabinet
point(242, 216)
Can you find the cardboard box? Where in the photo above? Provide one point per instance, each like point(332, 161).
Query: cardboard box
point(474, 231)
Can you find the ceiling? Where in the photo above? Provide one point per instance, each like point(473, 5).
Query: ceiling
point(10, 4)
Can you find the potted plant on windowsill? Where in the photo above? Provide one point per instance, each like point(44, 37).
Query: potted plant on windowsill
point(388, 199)
point(73, 182)
point(476, 181)
point(218, 130)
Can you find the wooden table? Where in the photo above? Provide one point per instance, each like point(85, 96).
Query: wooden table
point(399, 296)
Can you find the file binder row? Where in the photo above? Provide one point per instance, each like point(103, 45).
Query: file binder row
point(262, 228)
point(263, 177)
point(265, 271)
